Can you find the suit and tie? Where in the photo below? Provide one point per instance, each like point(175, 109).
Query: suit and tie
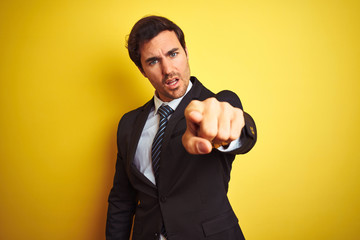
point(190, 196)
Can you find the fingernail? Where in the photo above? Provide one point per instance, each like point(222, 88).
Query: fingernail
point(202, 148)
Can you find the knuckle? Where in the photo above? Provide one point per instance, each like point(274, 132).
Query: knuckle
point(234, 135)
point(242, 120)
point(226, 109)
point(208, 133)
point(226, 105)
point(211, 102)
point(192, 104)
point(223, 135)
point(238, 112)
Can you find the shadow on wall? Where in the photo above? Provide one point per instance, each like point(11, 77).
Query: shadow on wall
point(124, 90)
point(126, 87)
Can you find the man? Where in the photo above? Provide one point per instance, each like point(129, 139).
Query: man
point(175, 152)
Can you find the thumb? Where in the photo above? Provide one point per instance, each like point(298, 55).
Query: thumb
point(195, 145)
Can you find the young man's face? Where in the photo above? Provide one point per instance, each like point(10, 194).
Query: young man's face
point(165, 64)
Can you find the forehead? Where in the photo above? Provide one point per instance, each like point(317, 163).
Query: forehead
point(161, 43)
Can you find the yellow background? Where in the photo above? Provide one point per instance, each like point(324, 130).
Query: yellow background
point(66, 79)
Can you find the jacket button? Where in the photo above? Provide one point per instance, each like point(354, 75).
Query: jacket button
point(156, 236)
point(163, 199)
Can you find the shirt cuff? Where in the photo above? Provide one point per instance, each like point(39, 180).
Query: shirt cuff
point(231, 147)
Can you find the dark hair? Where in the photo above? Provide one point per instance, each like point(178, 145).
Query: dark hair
point(146, 29)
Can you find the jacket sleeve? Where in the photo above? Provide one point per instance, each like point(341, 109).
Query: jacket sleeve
point(122, 202)
point(248, 135)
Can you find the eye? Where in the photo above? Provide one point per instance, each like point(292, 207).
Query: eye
point(173, 54)
point(153, 62)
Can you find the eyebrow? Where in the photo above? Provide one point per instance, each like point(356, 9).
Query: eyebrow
point(149, 60)
point(157, 58)
point(172, 51)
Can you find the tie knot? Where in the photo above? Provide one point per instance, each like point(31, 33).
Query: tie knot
point(165, 111)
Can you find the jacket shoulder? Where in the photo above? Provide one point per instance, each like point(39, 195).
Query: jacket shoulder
point(127, 121)
point(131, 115)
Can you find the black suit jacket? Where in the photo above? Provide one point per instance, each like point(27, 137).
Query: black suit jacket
point(191, 192)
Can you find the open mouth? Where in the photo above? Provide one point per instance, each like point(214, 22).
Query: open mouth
point(171, 82)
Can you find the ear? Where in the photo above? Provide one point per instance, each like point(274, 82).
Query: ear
point(187, 53)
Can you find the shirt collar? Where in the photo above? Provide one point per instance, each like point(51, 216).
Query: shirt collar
point(174, 103)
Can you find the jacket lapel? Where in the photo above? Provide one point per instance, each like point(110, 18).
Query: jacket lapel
point(134, 141)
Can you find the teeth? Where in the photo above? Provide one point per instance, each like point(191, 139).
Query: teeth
point(172, 82)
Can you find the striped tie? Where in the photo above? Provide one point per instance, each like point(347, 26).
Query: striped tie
point(164, 112)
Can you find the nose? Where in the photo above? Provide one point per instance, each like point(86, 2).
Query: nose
point(166, 66)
